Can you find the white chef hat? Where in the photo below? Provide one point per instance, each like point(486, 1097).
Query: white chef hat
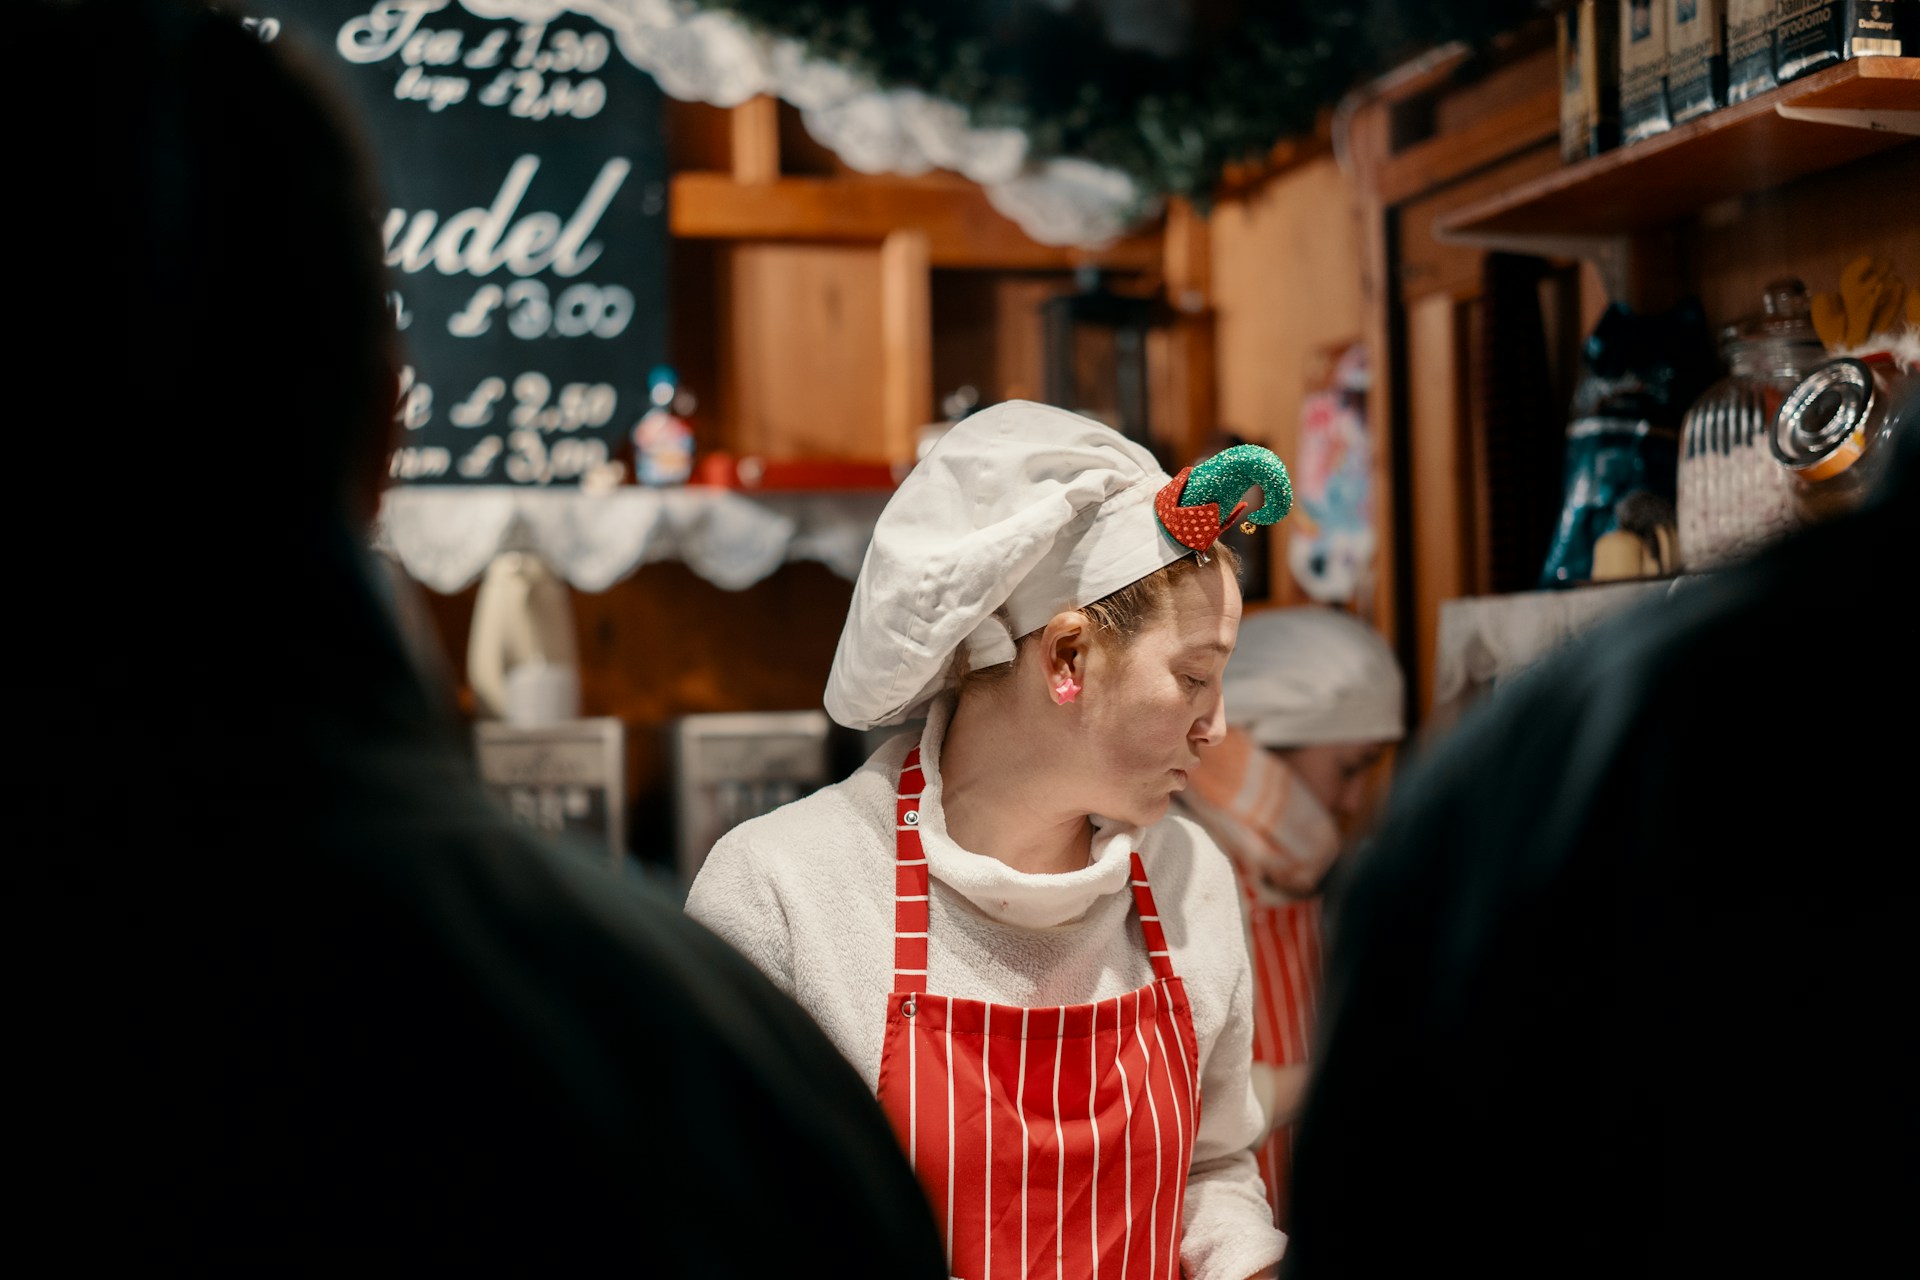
point(1310, 675)
point(1021, 507)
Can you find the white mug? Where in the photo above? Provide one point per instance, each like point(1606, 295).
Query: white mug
point(540, 693)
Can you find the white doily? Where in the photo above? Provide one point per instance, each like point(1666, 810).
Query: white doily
point(701, 56)
point(446, 536)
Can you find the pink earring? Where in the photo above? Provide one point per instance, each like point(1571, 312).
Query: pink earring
point(1066, 690)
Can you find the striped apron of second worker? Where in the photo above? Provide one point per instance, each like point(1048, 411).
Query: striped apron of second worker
point(1051, 1141)
point(1284, 942)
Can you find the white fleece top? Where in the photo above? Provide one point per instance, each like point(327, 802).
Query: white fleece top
point(806, 893)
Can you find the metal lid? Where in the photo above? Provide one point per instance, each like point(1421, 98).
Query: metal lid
point(1819, 426)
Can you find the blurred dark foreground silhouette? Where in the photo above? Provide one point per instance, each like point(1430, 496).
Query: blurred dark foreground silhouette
point(1626, 985)
point(349, 1011)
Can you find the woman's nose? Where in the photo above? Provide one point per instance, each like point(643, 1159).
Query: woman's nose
point(1211, 729)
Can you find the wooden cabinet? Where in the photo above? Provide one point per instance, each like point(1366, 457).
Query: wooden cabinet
point(827, 311)
point(1458, 171)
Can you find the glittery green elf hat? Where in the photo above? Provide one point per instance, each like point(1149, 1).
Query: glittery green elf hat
point(1189, 505)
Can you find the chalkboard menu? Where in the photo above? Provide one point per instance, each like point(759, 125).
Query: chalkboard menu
point(524, 162)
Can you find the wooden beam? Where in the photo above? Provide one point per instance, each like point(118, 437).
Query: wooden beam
point(1735, 151)
point(754, 127)
point(1439, 469)
point(962, 228)
point(1432, 264)
point(1488, 141)
point(1367, 144)
point(906, 341)
point(1427, 72)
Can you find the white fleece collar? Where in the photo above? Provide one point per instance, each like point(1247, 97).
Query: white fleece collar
point(1012, 897)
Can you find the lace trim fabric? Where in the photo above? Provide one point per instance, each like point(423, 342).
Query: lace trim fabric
point(446, 536)
point(701, 56)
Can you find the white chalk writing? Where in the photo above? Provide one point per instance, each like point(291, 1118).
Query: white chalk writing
point(420, 462)
point(523, 455)
point(394, 29)
point(602, 311)
point(415, 407)
point(482, 240)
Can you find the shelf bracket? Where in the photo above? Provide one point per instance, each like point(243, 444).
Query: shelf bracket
point(1855, 118)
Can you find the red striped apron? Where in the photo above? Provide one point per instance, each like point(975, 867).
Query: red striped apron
point(1283, 942)
point(1051, 1141)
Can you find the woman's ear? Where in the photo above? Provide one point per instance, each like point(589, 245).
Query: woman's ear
point(1063, 654)
point(1063, 644)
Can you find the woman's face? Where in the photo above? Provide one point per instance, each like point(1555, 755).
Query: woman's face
point(1339, 774)
point(1152, 703)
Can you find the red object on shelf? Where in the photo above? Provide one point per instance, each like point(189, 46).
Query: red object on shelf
point(750, 474)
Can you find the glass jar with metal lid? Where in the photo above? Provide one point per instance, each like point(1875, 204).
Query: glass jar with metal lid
point(1833, 430)
point(1732, 496)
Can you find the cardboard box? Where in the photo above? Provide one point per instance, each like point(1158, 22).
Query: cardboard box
point(1643, 70)
point(1696, 57)
point(1589, 35)
point(1889, 29)
point(1811, 34)
point(1749, 48)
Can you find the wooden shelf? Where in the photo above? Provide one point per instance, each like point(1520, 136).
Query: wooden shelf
point(962, 228)
point(1731, 152)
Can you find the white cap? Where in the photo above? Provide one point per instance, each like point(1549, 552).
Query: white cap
point(1311, 675)
point(1020, 505)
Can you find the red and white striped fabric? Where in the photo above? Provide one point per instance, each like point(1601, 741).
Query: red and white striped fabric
point(1051, 1141)
point(1284, 945)
point(1270, 828)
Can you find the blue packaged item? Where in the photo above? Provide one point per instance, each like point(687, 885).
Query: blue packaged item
point(1639, 374)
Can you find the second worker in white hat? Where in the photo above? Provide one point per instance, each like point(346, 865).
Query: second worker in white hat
point(1313, 700)
point(1039, 972)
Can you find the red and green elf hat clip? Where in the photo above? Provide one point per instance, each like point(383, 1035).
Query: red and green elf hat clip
point(1189, 504)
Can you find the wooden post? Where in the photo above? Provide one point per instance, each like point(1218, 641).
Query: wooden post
point(906, 335)
point(1187, 266)
point(1439, 467)
point(754, 127)
point(1368, 146)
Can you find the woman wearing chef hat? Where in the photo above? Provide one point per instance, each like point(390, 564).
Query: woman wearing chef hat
point(1045, 983)
point(1314, 698)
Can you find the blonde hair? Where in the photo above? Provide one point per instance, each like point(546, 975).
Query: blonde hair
point(1118, 616)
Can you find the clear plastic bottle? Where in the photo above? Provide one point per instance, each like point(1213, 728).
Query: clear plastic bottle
point(1733, 496)
point(662, 439)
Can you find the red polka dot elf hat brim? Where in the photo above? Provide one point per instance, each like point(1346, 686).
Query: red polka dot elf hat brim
point(1189, 505)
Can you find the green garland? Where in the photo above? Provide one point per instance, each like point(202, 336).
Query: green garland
point(1245, 74)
